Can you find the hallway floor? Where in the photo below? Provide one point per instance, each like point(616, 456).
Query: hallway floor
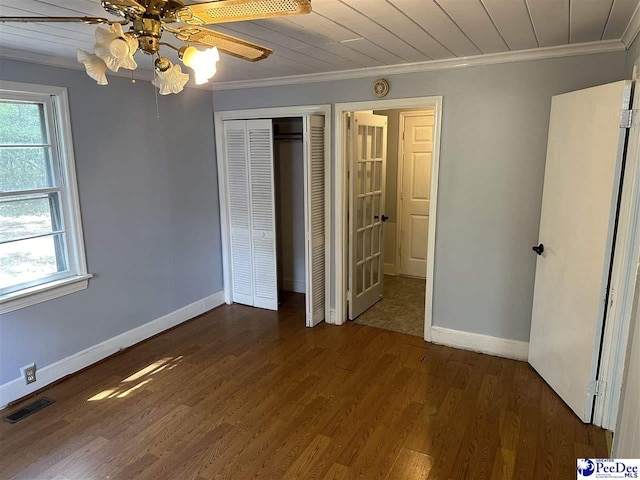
point(401, 309)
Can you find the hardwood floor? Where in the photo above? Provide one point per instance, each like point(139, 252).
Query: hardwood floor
point(242, 393)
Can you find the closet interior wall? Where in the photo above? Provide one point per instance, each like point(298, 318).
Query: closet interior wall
point(289, 198)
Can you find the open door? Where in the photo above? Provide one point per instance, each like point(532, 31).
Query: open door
point(314, 195)
point(368, 155)
point(579, 205)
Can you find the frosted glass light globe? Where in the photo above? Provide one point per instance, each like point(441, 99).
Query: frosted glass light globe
point(119, 48)
point(203, 63)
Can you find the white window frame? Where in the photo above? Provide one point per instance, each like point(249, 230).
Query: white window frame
point(56, 102)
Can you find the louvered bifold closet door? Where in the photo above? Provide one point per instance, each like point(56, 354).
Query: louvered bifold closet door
point(262, 207)
point(315, 217)
point(235, 132)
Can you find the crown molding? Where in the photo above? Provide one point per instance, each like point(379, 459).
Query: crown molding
point(72, 64)
point(588, 48)
point(633, 28)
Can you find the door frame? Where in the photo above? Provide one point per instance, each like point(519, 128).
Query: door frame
point(342, 204)
point(626, 257)
point(225, 231)
point(399, 177)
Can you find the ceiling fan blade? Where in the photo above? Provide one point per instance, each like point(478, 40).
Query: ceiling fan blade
point(238, 10)
point(89, 20)
point(225, 43)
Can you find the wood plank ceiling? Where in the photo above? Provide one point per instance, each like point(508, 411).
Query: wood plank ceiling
point(352, 34)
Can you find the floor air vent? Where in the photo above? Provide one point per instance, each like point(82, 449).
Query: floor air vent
point(28, 410)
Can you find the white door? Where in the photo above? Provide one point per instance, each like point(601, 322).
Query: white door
point(415, 192)
point(235, 142)
point(366, 210)
point(314, 188)
point(582, 177)
point(263, 220)
point(249, 157)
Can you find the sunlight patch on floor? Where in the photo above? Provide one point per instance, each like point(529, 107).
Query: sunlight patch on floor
point(121, 391)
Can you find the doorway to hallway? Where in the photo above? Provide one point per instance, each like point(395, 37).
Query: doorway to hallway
point(390, 162)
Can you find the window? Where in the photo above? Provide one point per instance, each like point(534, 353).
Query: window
point(41, 245)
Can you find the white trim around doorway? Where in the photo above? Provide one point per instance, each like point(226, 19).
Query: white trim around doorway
point(341, 205)
point(225, 232)
point(626, 258)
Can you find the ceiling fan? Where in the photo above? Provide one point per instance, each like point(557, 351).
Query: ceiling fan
point(149, 19)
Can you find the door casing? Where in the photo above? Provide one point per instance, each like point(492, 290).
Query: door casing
point(341, 204)
point(626, 259)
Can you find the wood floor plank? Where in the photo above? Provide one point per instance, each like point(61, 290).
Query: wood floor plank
point(503, 464)
point(338, 472)
point(410, 464)
point(243, 393)
point(78, 463)
point(307, 458)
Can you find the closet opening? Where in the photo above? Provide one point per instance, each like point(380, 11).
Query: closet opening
point(272, 175)
point(288, 158)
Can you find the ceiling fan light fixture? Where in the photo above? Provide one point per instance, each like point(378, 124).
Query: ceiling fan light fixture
point(162, 64)
point(119, 48)
point(171, 80)
point(116, 48)
point(203, 63)
point(150, 19)
point(94, 66)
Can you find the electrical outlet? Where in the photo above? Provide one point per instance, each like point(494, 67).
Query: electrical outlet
point(29, 373)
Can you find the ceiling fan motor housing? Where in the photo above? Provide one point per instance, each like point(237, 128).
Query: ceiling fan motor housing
point(162, 8)
point(147, 17)
point(148, 30)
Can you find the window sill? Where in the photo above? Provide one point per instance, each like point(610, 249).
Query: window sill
point(42, 293)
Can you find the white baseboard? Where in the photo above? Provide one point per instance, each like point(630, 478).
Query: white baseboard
point(501, 347)
point(297, 286)
point(332, 317)
point(389, 268)
point(16, 389)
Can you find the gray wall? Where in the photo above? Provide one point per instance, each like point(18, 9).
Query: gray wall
point(493, 144)
point(149, 200)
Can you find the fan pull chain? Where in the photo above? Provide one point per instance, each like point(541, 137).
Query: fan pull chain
point(156, 93)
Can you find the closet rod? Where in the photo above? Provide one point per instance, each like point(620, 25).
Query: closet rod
point(288, 136)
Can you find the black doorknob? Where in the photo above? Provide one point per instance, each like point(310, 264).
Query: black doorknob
point(539, 249)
